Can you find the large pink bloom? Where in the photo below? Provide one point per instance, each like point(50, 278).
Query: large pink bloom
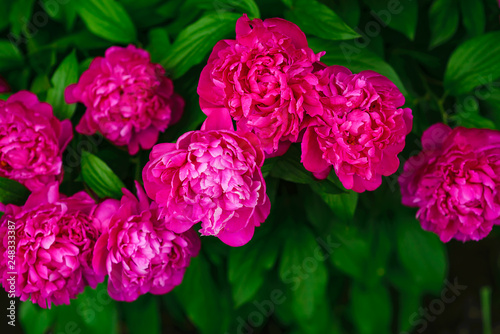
point(263, 79)
point(213, 176)
point(455, 182)
point(129, 100)
point(139, 253)
point(32, 140)
point(54, 240)
point(360, 131)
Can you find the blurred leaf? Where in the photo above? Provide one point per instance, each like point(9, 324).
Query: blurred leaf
point(40, 85)
point(443, 19)
point(348, 10)
point(143, 315)
point(34, 319)
point(422, 254)
point(196, 40)
point(371, 308)
point(10, 57)
point(107, 19)
point(65, 74)
point(96, 311)
point(303, 269)
point(202, 299)
point(468, 114)
point(247, 268)
point(399, 15)
point(99, 177)
point(475, 62)
point(409, 303)
point(4, 13)
point(237, 6)
point(473, 16)
point(353, 253)
point(159, 44)
point(20, 18)
point(355, 58)
point(318, 19)
point(342, 205)
point(12, 192)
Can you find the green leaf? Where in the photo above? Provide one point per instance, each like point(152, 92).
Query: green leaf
point(12, 192)
point(159, 44)
point(354, 252)
point(422, 254)
point(468, 114)
point(303, 270)
point(202, 300)
point(355, 58)
point(371, 308)
point(236, 6)
point(196, 40)
point(20, 18)
point(34, 319)
point(99, 177)
point(443, 19)
point(143, 315)
point(107, 19)
point(409, 303)
point(342, 205)
point(473, 17)
point(247, 268)
point(348, 10)
point(475, 62)
point(65, 74)
point(401, 15)
point(10, 56)
point(318, 19)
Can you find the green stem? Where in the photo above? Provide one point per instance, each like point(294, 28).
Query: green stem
point(486, 309)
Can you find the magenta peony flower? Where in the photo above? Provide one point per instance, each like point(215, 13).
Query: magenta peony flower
point(128, 98)
point(360, 130)
point(213, 176)
point(263, 79)
point(52, 246)
point(31, 141)
point(455, 182)
point(138, 252)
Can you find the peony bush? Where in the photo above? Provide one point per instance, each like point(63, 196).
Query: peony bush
point(250, 167)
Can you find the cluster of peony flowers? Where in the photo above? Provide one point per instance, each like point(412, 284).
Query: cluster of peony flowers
point(455, 182)
point(58, 245)
point(272, 84)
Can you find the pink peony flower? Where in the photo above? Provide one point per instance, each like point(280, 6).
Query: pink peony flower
point(360, 130)
point(52, 246)
point(263, 79)
point(455, 182)
point(31, 141)
point(128, 98)
point(138, 252)
point(213, 176)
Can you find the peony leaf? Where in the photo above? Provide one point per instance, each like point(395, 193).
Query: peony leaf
point(443, 19)
point(366, 318)
point(248, 266)
point(12, 192)
point(318, 19)
point(400, 15)
point(196, 40)
point(473, 16)
point(65, 74)
point(143, 315)
point(303, 270)
point(422, 254)
point(475, 62)
point(10, 56)
point(107, 19)
point(99, 177)
point(34, 319)
point(201, 299)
